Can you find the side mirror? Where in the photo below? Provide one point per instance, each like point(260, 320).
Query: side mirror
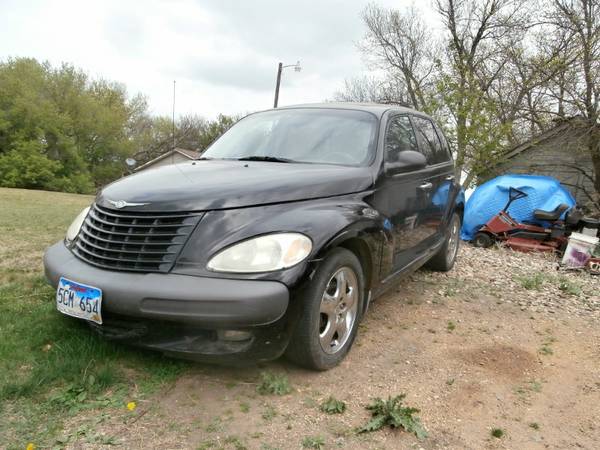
point(408, 160)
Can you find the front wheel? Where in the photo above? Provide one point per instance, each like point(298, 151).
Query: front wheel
point(330, 309)
point(444, 259)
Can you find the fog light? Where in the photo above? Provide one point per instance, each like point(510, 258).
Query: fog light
point(233, 335)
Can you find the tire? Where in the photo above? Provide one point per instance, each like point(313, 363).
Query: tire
point(483, 240)
point(445, 258)
point(320, 340)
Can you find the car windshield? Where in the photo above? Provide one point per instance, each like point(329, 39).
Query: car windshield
point(317, 135)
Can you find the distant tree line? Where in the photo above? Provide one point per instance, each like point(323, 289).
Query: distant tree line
point(495, 73)
point(61, 130)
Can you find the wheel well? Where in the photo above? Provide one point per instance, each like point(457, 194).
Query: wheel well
point(362, 252)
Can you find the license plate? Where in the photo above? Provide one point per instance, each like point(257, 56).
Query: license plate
point(79, 300)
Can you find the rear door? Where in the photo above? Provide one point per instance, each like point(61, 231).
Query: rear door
point(437, 181)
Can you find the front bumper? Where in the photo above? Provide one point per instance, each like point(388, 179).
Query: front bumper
point(182, 314)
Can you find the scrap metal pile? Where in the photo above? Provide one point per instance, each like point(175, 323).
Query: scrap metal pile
point(532, 213)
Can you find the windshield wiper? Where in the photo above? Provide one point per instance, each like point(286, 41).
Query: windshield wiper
point(265, 158)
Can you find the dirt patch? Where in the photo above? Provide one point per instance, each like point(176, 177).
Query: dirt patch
point(501, 360)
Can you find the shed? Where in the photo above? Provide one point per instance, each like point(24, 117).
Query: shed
point(560, 152)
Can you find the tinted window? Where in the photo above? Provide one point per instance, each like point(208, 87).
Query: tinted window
point(447, 154)
point(400, 136)
point(313, 135)
point(429, 141)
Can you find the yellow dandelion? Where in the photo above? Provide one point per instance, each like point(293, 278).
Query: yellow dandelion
point(30, 446)
point(131, 406)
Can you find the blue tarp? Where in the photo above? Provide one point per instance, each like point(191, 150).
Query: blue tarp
point(489, 198)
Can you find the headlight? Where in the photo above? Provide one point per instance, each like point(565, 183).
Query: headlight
point(74, 228)
point(263, 254)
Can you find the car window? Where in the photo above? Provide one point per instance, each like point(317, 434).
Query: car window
point(400, 136)
point(429, 141)
point(447, 154)
point(308, 135)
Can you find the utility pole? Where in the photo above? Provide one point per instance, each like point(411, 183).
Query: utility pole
point(280, 68)
point(173, 123)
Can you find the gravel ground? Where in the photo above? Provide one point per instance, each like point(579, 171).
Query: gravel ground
point(533, 281)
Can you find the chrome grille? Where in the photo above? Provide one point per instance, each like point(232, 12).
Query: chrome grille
point(132, 240)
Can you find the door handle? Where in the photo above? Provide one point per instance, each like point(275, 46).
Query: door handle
point(426, 186)
point(450, 178)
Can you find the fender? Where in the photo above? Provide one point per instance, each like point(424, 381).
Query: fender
point(329, 222)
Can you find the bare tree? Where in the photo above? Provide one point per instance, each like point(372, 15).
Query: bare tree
point(401, 44)
point(371, 89)
point(577, 22)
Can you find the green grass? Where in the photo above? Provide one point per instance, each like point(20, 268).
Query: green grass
point(316, 442)
point(273, 384)
point(52, 367)
point(532, 282)
point(569, 287)
point(333, 406)
point(498, 433)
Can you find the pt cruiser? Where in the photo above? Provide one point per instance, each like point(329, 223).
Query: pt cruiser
point(274, 241)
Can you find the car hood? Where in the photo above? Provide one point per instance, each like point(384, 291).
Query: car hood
point(220, 184)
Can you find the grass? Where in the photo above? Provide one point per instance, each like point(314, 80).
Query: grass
point(569, 287)
point(498, 433)
point(532, 282)
point(273, 384)
point(333, 406)
point(546, 348)
point(269, 413)
point(52, 366)
point(316, 442)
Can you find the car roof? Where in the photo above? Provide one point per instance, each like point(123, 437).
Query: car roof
point(377, 109)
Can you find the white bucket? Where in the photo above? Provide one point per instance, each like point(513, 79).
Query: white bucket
point(579, 250)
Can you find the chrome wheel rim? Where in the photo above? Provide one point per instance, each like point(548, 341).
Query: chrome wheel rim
point(453, 240)
point(339, 306)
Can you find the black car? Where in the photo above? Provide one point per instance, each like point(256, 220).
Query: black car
point(275, 241)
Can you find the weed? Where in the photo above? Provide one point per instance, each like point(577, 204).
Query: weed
point(533, 282)
point(391, 412)
point(451, 326)
point(535, 386)
point(215, 426)
point(569, 287)
point(545, 349)
point(268, 447)
point(272, 383)
point(534, 425)
point(269, 413)
point(450, 381)
point(333, 406)
point(244, 407)
point(498, 433)
point(235, 442)
point(316, 442)
point(206, 445)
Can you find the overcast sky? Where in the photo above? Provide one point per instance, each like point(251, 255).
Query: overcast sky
point(222, 53)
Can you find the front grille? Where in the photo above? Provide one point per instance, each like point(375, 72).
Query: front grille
point(133, 240)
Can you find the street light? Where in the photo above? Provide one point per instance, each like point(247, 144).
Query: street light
point(280, 68)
